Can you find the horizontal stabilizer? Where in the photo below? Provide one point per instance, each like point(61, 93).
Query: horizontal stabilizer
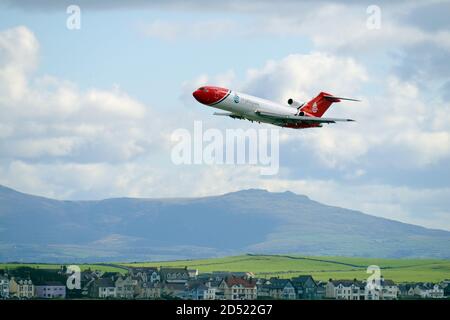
point(340, 98)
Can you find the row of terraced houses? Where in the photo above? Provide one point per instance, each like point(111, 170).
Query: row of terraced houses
point(184, 283)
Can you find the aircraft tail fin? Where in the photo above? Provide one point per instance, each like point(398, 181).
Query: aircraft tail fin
point(320, 104)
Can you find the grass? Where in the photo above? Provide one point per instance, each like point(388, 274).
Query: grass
point(321, 268)
point(83, 267)
point(287, 266)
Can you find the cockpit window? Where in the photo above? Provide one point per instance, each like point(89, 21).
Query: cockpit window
point(203, 89)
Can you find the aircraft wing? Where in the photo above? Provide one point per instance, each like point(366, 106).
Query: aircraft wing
point(290, 118)
point(228, 114)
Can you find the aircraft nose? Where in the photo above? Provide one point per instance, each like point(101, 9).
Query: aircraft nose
point(210, 95)
point(204, 95)
point(197, 95)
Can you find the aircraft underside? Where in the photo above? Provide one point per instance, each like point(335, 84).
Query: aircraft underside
point(276, 123)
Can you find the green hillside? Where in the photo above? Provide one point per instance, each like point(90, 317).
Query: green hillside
point(322, 268)
point(286, 266)
point(47, 266)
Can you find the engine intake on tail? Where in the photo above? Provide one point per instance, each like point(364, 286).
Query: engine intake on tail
point(294, 104)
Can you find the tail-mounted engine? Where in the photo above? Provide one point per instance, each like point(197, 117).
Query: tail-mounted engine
point(295, 104)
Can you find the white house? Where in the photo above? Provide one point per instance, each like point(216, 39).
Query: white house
point(235, 288)
point(21, 288)
point(4, 287)
point(344, 289)
point(385, 290)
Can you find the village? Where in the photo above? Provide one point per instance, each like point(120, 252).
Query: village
point(189, 284)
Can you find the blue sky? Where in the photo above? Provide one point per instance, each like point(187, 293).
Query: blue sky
point(88, 114)
point(112, 48)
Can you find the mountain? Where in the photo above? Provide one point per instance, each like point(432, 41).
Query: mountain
point(127, 229)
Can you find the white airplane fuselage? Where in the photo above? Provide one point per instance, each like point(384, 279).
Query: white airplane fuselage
point(244, 106)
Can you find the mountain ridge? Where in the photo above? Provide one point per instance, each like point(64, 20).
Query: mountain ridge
point(254, 220)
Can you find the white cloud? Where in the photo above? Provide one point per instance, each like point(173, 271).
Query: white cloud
point(303, 75)
point(58, 146)
point(429, 147)
point(324, 25)
point(115, 103)
point(18, 57)
point(321, 22)
point(46, 117)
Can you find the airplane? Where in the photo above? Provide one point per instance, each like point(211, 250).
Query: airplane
point(294, 115)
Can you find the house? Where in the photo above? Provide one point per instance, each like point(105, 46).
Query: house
point(447, 291)
point(344, 289)
point(214, 284)
point(199, 290)
point(321, 289)
point(236, 288)
point(104, 288)
point(174, 275)
point(224, 274)
point(405, 290)
point(276, 288)
point(4, 287)
point(385, 290)
point(147, 274)
point(305, 287)
point(125, 287)
point(446, 285)
point(150, 290)
point(174, 290)
point(220, 275)
point(21, 288)
point(429, 291)
point(50, 290)
point(390, 290)
point(89, 282)
point(263, 288)
point(193, 273)
point(87, 279)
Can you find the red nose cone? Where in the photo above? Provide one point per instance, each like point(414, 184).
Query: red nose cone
point(197, 95)
point(210, 95)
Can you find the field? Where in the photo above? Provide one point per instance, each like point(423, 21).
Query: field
point(83, 267)
point(321, 268)
point(286, 266)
